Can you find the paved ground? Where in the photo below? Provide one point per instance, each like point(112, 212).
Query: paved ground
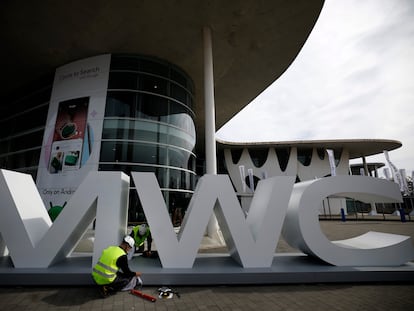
point(287, 297)
point(277, 297)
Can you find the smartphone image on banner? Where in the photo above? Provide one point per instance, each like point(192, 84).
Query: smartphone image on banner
point(69, 135)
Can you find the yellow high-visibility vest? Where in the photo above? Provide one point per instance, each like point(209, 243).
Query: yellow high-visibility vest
point(104, 272)
point(139, 240)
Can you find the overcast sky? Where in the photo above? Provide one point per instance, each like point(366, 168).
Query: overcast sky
point(354, 78)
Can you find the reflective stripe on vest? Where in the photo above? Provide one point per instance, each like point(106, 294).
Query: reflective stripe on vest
point(103, 274)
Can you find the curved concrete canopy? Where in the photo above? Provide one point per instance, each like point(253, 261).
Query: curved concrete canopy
point(357, 147)
point(253, 41)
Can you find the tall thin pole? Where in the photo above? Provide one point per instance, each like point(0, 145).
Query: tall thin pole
point(209, 105)
point(210, 122)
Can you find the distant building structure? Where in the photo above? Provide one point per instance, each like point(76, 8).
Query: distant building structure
point(247, 163)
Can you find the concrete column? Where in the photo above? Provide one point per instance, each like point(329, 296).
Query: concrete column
point(210, 124)
point(210, 114)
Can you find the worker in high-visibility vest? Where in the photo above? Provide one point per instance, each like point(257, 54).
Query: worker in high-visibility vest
point(141, 233)
point(112, 273)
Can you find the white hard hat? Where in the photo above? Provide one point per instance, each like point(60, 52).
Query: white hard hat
point(129, 240)
point(142, 229)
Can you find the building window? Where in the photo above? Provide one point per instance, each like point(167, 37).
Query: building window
point(236, 154)
point(283, 155)
point(305, 156)
point(337, 156)
point(258, 156)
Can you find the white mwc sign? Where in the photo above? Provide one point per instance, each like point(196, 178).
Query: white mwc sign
point(34, 241)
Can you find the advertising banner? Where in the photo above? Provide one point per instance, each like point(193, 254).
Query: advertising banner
point(71, 141)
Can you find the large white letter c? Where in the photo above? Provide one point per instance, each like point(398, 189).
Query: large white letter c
point(302, 230)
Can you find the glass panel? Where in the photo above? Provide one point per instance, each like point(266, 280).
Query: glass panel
point(7, 128)
point(26, 121)
point(22, 159)
point(33, 157)
point(120, 104)
point(4, 147)
point(154, 67)
point(236, 154)
point(321, 153)
point(191, 163)
point(181, 139)
point(108, 151)
point(178, 93)
point(144, 153)
point(178, 158)
point(29, 140)
point(115, 167)
point(154, 107)
point(283, 155)
point(178, 77)
point(141, 168)
point(29, 100)
point(118, 128)
point(124, 62)
point(182, 119)
point(123, 80)
point(135, 212)
point(258, 156)
point(305, 156)
point(175, 179)
point(153, 84)
point(337, 155)
point(146, 131)
point(161, 174)
point(178, 205)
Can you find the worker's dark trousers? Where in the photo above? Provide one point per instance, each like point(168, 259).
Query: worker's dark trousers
point(120, 282)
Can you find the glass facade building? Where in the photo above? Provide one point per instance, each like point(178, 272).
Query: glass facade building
point(148, 127)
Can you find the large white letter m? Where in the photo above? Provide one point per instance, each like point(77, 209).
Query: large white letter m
point(34, 241)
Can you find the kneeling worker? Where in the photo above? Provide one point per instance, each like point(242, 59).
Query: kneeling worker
point(140, 234)
point(112, 272)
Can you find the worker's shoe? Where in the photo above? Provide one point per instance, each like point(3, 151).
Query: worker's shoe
point(104, 291)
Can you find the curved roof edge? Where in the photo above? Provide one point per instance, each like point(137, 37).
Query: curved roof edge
point(357, 147)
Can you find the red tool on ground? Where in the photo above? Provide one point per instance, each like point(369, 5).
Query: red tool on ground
point(143, 295)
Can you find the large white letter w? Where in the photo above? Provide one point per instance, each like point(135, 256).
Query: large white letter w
point(251, 240)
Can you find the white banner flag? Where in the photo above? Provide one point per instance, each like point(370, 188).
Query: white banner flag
point(331, 161)
point(243, 177)
point(404, 180)
point(395, 172)
point(387, 173)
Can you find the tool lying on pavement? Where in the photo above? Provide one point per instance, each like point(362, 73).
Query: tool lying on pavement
point(167, 293)
point(143, 295)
